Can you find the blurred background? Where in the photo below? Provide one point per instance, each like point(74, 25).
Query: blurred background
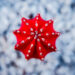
point(60, 63)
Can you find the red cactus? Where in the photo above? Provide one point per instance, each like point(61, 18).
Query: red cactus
point(36, 37)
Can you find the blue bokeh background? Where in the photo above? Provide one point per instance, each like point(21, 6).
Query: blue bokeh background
point(60, 63)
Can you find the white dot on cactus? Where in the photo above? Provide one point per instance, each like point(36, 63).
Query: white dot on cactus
point(31, 29)
point(47, 34)
point(27, 55)
point(41, 30)
point(28, 38)
point(17, 45)
point(29, 51)
point(18, 31)
point(36, 24)
point(22, 41)
point(24, 32)
point(36, 32)
point(40, 53)
point(39, 34)
point(49, 44)
point(53, 33)
point(35, 37)
point(24, 20)
point(37, 18)
point(43, 39)
point(39, 48)
point(58, 33)
point(27, 23)
point(32, 33)
point(52, 47)
point(38, 40)
point(46, 24)
point(31, 45)
point(49, 21)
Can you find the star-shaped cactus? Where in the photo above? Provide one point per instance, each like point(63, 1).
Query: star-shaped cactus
point(36, 37)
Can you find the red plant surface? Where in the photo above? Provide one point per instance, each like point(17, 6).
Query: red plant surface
point(36, 37)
